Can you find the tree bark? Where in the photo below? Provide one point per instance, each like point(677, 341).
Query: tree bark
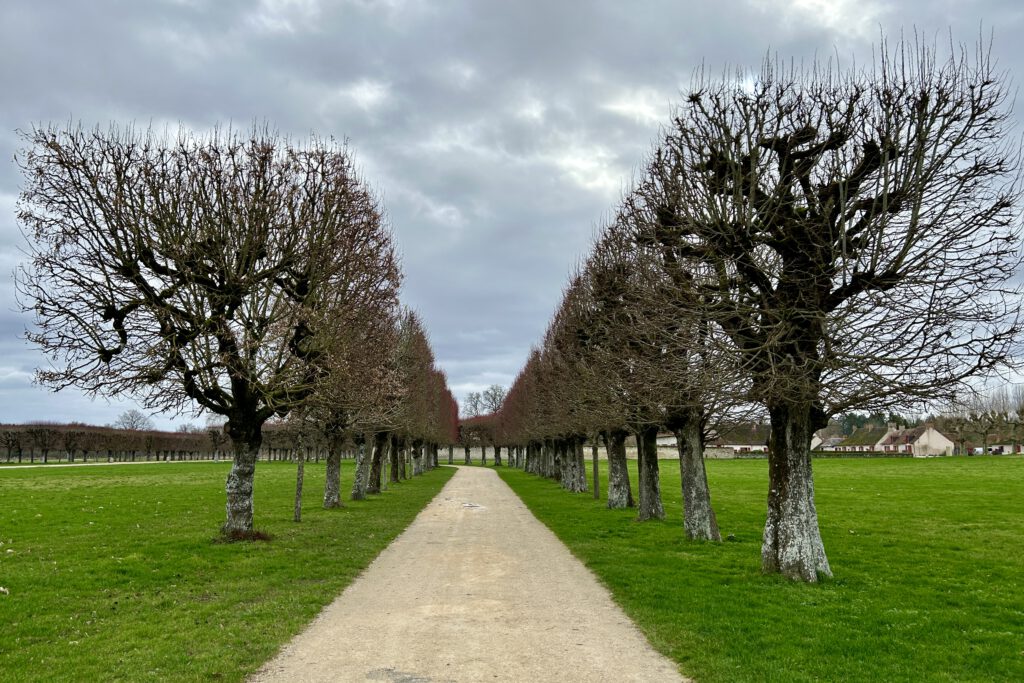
point(650, 484)
point(332, 482)
point(597, 477)
point(417, 458)
point(381, 440)
point(620, 493)
point(497, 456)
point(451, 454)
point(792, 543)
point(468, 460)
point(393, 458)
point(483, 454)
point(300, 475)
point(364, 454)
point(247, 437)
point(699, 520)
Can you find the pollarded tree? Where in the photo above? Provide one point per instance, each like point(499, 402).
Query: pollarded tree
point(664, 363)
point(855, 232)
point(194, 271)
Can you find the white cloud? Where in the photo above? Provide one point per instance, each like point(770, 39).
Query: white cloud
point(285, 16)
point(645, 106)
point(860, 18)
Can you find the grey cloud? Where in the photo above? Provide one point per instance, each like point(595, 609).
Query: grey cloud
point(499, 134)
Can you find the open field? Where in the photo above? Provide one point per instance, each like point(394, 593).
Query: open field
point(113, 573)
point(928, 557)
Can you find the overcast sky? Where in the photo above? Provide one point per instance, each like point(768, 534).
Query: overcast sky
point(498, 133)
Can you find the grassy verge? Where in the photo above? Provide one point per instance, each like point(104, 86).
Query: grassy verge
point(113, 572)
point(928, 557)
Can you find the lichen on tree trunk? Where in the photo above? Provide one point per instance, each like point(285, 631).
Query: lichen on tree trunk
point(620, 493)
point(650, 506)
point(792, 543)
point(381, 440)
point(246, 439)
point(332, 481)
point(699, 520)
point(362, 474)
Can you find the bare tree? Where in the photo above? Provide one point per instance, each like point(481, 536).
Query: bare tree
point(492, 398)
point(194, 271)
point(854, 233)
point(133, 419)
point(473, 404)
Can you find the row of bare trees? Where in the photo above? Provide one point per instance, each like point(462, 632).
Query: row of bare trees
point(986, 419)
point(802, 241)
point(238, 273)
point(80, 443)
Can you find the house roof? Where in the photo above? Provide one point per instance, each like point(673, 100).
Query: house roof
point(905, 436)
point(749, 433)
point(868, 435)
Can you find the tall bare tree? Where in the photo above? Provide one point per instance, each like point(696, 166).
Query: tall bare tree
point(854, 233)
point(194, 271)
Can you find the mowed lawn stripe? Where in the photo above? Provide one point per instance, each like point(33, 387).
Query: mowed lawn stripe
point(928, 558)
point(114, 573)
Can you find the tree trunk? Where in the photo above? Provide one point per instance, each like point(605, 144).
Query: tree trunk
point(467, 460)
point(417, 458)
point(620, 493)
point(650, 484)
point(451, 454)
point(381, 440)
point(332, 482)
point(364, 454)
point(247, 437)
point(792, 540)
point(393, 458)
point(483, 454)
point(300, 473)
point(580, 469)
point(497, 456)
point(597, 477)
point(699, 520)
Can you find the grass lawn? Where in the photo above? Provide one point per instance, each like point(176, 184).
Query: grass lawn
point(113, 572)
point(928, 557)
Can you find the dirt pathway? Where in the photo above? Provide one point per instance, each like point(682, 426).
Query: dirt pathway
point(476, 589)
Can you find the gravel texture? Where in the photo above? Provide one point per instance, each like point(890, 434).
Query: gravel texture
point(476, 589)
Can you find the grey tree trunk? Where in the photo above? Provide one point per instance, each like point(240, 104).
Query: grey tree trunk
point(468, 460)
point(573, 465)
point(650, 484)
point(792, 540)
point(620, 493)
point(451, 454)
point(364, 454)
point(247, 439)
point(417, 458)
point(483, 454)
point(497, 456)
point(597, 475)
point(332, 482)
point(580, 467)
point(300, 475)
point(699, 520)
point(381, 440)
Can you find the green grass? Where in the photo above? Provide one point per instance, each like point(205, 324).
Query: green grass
point(928, 557)
point(114, 573)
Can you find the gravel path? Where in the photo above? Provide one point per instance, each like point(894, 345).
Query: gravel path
point(476, 589)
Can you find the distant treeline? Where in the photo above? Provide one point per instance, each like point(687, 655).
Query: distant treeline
point(48, 443)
